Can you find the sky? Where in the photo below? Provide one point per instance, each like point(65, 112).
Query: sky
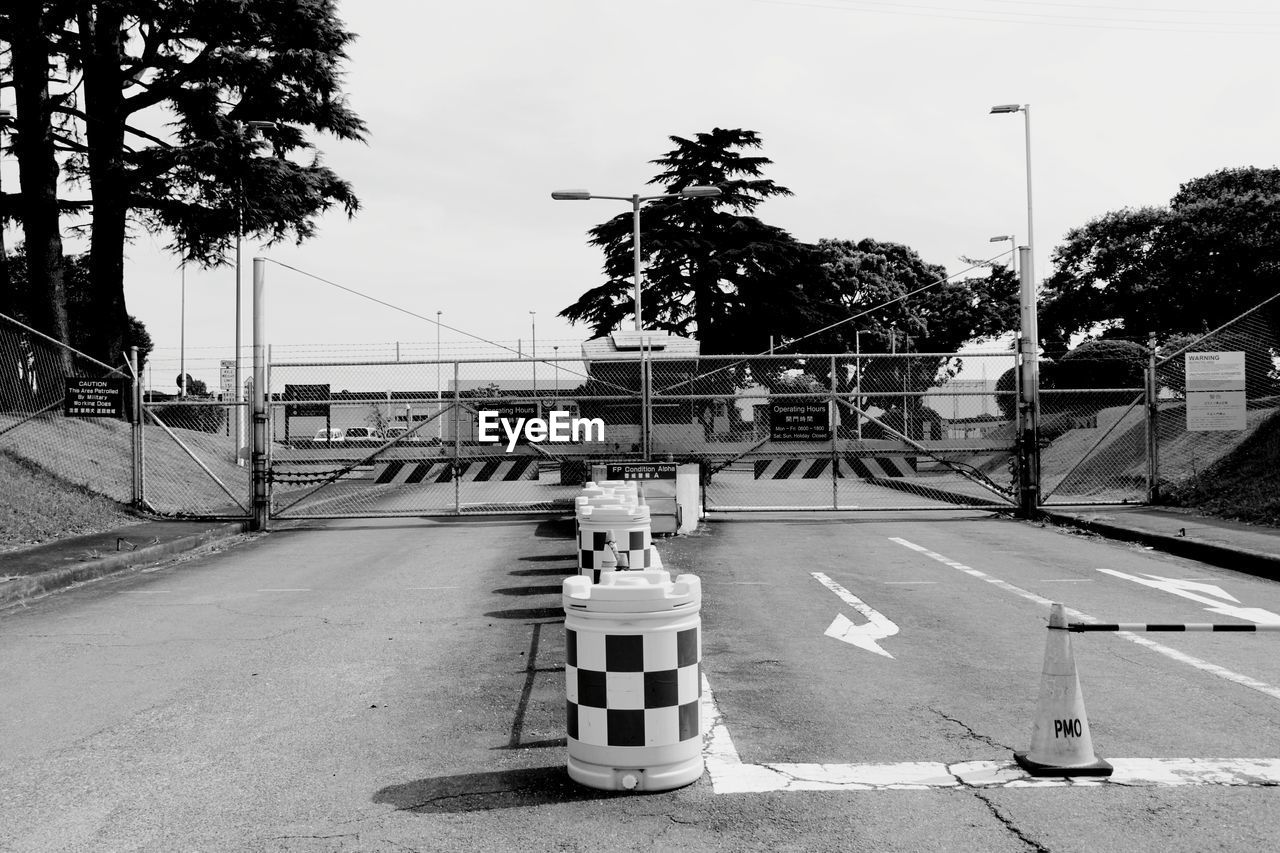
point(875, 114)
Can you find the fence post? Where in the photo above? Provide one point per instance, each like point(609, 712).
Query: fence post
point(1029, 400)
point(833, 411)
point(258, 450)
point(135, 428)
point(1153, 425)
point(457, 441)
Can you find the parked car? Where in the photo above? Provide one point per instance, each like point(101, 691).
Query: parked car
point(332, 435)
point(394, 433)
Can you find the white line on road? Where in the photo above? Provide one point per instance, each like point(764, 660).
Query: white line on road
point(729, 775)
point(1181, 657)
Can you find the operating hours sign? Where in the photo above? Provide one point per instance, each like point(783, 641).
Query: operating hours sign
point(93, 398)
point(1215, 391)
point(799, 421)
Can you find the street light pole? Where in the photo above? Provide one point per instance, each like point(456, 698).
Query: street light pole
point(636, 199)
point(439, 399)
point(1013, 249)
point(254, 128)
point(1029, 404)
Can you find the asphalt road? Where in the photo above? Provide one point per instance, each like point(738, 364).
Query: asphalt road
point(398, 684)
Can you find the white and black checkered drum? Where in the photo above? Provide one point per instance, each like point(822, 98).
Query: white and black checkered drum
point(633, 680)
point(630, 528)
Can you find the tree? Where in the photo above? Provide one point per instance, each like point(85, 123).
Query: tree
point(29, 28)
point(1209, 256)
point(707, 257)
point(210, 67)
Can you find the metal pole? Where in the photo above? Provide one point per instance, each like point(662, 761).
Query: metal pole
point(439, 404)
point(258, 452)
point(1153, 425)
point(457, 441)
point(237, 438)
point(182, 335)
point(857, 342)
point(1031, 239)
point(135, 445)
point(1029, 397)
point(832, 410)
point(533, 329)
point(635, 242)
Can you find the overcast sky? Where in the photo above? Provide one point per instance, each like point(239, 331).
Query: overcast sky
point(874, 113)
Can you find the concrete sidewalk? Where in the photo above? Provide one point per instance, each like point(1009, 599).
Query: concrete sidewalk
point(1250, 548)
point(31, 572)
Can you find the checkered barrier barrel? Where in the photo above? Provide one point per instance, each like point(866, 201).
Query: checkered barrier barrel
point(633, 681)
point(631, 529)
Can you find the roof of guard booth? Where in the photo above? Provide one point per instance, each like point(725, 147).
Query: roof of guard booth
point(627, 345)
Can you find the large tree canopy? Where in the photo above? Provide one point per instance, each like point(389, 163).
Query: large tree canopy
point(705, 256)
point(1213, 253)
point(154, 120)
point(718, 273)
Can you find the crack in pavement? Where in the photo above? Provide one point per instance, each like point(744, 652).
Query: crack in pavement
point(971, 732)
point(1008, 824)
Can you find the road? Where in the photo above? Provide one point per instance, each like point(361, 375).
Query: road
point(398, 684)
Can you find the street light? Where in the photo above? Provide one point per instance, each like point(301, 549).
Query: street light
point(1029, 471)
point(439, 399)
point(687, 192)
point(1013, 249)
point(254, 128)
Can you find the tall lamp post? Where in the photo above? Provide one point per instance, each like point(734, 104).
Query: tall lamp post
point(254, 129)
point(439, 397)
point(636, 201)
point(1029, 408)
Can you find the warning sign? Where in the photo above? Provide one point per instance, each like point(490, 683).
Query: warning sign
point(1215, 391)
point(93, 398)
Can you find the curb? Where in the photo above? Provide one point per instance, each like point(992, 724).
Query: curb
point(19, 590)
point(1258, 563)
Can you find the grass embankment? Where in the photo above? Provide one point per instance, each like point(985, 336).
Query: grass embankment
point(1243, 485)
point(36, 506)
point(62, 477)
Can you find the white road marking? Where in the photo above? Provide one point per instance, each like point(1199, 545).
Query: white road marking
point(729, 775)
point(1181, 657)
point(864, 636)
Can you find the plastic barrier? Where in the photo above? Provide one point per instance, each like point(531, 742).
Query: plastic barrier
point(633, 657)
point(630, 530)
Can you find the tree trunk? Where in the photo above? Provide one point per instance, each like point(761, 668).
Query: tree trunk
point(101, 49)
point(38, 170)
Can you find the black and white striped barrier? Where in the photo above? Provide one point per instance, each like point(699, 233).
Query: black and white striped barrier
point(1081, 627)
point(473, 471)
point(865, 467)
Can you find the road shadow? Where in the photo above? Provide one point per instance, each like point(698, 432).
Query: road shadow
point(555, 528)
point(529, 590)
point(559, 571)
point(502, 789)
point(528, 613)
point(544, 558)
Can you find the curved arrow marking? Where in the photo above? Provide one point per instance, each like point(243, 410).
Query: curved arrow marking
point(864, 636)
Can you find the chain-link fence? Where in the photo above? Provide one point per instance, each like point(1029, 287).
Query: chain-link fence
point(91, 447)
point(87, 424)
point(403, 437)
point(1213, 392)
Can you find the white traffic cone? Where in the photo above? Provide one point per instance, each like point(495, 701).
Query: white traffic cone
point(1060, 740)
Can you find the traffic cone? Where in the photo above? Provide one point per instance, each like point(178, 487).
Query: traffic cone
point(1060, 740)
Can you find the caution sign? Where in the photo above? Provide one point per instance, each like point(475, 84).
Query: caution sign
point(1215, 391)
point(298, 392)
point(93, 398)
point(803, 421)
point(640, 471)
